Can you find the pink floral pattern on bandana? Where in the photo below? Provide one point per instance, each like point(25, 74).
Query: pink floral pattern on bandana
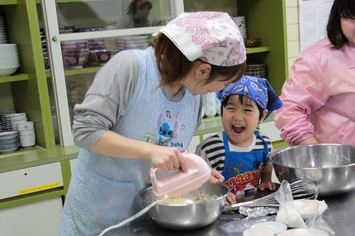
point(212, 37)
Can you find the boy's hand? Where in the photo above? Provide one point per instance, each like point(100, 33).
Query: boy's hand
point(266, 185)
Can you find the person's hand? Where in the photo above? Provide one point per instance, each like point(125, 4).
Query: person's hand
point(216, 177)
point(267, 185)
point(231, 199)
point(167, 158)
point(311, 140)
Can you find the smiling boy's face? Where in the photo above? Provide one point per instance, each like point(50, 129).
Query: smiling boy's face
point(240, 120)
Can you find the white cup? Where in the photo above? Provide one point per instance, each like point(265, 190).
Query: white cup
point(28, 140)
point(27, 131)
point(210, 111)
point(25, 125)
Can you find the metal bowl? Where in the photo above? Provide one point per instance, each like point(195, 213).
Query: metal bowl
point(330, 166)
point(187, 216)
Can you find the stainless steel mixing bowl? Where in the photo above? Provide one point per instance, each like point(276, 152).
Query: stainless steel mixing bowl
point(187, 216)
point(330, 166)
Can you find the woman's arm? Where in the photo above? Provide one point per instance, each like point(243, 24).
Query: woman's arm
point(302, 94)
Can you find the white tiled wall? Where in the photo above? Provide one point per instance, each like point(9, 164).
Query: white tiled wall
point(293, 33)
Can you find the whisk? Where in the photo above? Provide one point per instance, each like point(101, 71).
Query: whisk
point(301, 189)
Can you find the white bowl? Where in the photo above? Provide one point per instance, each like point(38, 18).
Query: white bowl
point(10, 146)
point(258, 231)
point(7, 71)
point(14, 117)
point(8, 135)
point(277, 227)
point(9, 150)
point(303, 232)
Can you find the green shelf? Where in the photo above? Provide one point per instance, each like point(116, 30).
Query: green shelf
point(258, 50)
point(209, 125)
point(14, 78)
point(77, 71)
point(97, 68)
point(68, 1)
point(8, 2)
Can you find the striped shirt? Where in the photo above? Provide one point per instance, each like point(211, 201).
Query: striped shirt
point(212, 149)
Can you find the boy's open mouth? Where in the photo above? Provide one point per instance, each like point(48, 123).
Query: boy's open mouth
point(238, 129)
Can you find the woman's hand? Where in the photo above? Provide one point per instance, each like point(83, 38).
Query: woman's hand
point(216, 177)
point(167, 158)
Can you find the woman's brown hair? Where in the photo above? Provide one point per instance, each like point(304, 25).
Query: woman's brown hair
point(340, 9)
point(133, 7)
point(174, 66)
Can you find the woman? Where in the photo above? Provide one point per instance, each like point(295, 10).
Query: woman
point(319, 96)
point(142, 109)
point(136, 16)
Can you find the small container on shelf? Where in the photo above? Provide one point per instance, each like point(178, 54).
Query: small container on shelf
point(256, 69)
point(252, 42)
point(66, 29)
point(99, 56)
point(75, 53)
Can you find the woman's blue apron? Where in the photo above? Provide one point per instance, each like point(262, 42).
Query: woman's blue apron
point(104, 190)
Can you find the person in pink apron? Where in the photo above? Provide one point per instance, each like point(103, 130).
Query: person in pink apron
point(135, 97)
point(319, 95)
point(240, 152)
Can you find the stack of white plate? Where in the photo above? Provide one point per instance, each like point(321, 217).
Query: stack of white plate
point(9, 141)
point(209, 104)
point(140, 42)
point(132, 42)
point(241, 23)
point(3, 38)
point(5, 120)
point(9, 59)
point(8, 119)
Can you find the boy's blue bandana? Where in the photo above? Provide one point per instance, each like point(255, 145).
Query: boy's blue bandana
point(257, 89)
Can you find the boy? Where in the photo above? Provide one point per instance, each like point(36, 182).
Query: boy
point(239, 152)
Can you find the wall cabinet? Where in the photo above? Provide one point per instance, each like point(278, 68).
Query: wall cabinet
point(29, 180)
point(27, 88)
point(40, 218)
point(94, 23)
point(44, 95)
point(47, 96)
